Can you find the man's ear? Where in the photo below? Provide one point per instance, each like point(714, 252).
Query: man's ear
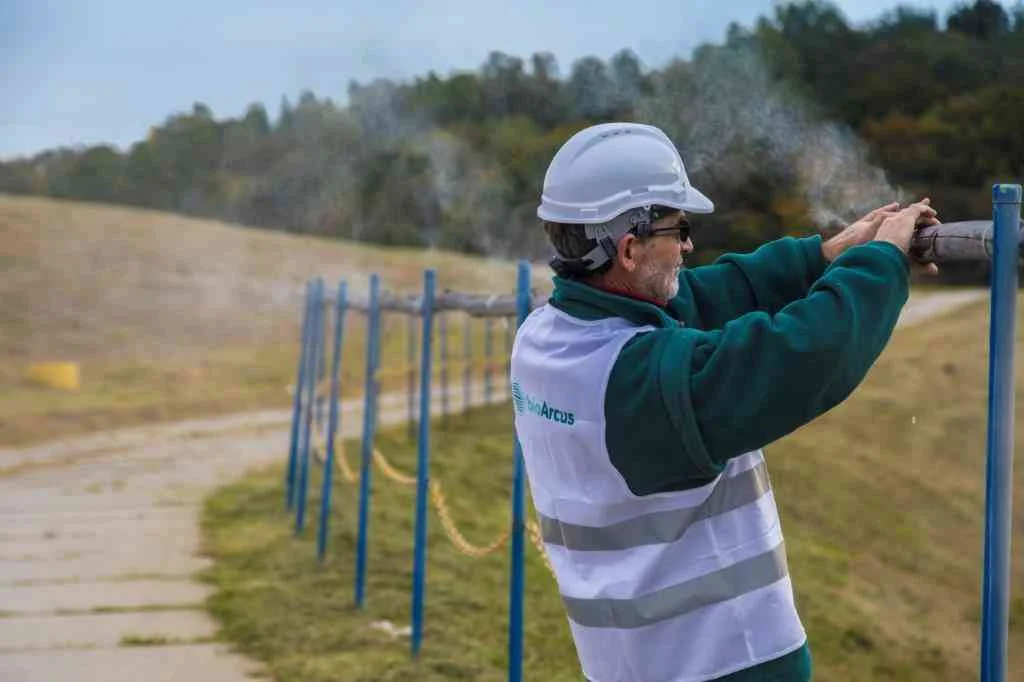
point(627, 251)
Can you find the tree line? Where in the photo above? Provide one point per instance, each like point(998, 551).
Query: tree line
point(779, 124)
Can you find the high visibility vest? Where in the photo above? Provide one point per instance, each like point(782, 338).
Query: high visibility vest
point(679, 586)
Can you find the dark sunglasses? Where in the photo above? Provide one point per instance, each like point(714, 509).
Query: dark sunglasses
point(682, 230)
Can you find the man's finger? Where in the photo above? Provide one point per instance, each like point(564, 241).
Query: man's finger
point(882, 215)
point(918, 210)
point(882, 209)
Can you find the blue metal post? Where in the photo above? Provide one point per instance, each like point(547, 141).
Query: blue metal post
point(369, 427)
point(442, 323)
point(467, 356)
point(510, 332)
point(410, 342)
point(321, 364)
point(515, 606)
point(293, 446)
point(488, 357)
point(1006, 200)
point(311, 377)
point(333, 425)
point(419, 569)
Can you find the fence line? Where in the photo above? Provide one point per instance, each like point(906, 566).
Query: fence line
point(312, 388)
point(438, 499)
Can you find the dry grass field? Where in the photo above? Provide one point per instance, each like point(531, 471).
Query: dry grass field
point(172, 317)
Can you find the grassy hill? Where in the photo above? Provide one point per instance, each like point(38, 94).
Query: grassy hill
point(881, 500)
point(174, 317)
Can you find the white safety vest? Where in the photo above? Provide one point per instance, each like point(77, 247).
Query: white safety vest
point(672, 587)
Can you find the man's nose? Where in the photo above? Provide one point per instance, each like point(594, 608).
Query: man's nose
point(686, 246)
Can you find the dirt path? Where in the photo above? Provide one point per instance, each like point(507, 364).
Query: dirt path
point(100, 541)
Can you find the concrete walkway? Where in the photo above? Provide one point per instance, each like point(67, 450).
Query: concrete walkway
point(100, 541)
point(100, 545)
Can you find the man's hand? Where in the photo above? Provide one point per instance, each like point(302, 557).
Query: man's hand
point(899, 229)
point(859, 232)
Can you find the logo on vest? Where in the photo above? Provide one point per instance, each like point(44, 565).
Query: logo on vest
point(525, 403)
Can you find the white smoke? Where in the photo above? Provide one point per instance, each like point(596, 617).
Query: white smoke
point(732, 118)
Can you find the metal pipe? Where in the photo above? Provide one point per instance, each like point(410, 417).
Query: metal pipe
point(1006, 200)
point(442, 321)
point(313, 371)
point(467, 360)
point(488, 358)
point(410, 348)
point(321, 363)
point(293, 447)
point(369, 427)
point(969, 240)
point(471, 304)
point(419, 570)
point(334, 422)
point(517, 583)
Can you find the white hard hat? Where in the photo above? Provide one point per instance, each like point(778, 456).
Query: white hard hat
point(607, 169)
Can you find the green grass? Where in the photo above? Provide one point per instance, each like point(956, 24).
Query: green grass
point(881, 501)
point(133, 640)
point(297, 615)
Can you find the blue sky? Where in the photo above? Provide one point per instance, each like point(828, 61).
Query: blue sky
point(104, 71)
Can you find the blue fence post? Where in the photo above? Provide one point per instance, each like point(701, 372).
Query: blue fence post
point(419, 570)
point(510, 333)
point(293, 446)
point(321, 365)
point(515, 608)
point(333, 424)
point(442, 323)
point(313, 372)
point(1006, 205)
point(467, 356)
point(488, 358)
point(369, 427)
point(410, 358)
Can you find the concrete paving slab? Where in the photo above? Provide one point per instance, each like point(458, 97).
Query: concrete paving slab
point(41, 528)
point(49, 501)
point(194, 663)
point(103, 630)
point(123, 561)
point(185, 540)
point(84, 596)
point(70, 517)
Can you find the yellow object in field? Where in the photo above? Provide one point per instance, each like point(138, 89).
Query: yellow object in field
point(62, 375)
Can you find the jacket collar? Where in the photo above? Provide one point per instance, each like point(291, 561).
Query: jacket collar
point(588, 302)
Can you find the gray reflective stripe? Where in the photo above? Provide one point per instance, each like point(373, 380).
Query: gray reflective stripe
point(659, 527)
point(670, 602)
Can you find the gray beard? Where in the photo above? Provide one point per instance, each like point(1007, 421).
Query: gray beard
point(657, 283)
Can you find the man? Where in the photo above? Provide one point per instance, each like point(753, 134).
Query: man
point(644, 394)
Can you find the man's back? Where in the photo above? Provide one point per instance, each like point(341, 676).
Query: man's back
point(683, 585)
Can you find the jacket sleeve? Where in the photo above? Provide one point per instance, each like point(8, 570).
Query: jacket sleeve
point(763, 376)
point(766, 280)
point(703, 397)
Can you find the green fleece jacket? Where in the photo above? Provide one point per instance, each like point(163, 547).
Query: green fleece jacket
point(753, 347)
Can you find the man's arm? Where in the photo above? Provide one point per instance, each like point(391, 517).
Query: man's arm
point(766, 280)
point(682, 402)
point(771, 277)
